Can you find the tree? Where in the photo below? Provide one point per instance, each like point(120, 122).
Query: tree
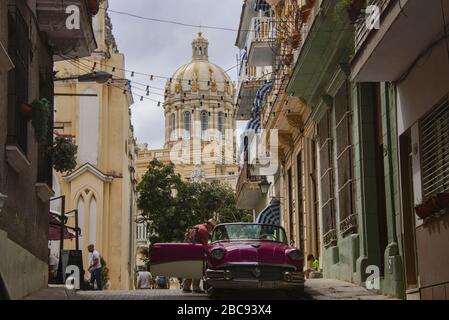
point(171, 206)
point(157, 192)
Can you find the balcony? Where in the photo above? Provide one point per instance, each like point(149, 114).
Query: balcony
point(52, 19)
point(247, 90)
point(248, 189)
point(261, 41)
point(405, 31)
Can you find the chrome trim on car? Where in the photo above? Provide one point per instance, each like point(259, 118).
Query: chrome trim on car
point(253, 284)
point(255, 264)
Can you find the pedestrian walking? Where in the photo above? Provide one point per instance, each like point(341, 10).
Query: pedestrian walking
point(95, 268)
point(144, 279)
point(198, 234)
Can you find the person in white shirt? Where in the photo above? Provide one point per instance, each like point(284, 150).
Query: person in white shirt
point(144, 279)
point(53, 264)
point(95, 267)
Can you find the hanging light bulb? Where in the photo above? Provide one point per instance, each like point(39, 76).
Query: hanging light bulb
point(151, 78)
point(132, 74)
point(158, 103)
point(113, 69)
point(141, 98)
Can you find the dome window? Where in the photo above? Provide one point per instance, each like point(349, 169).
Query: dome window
point(187, 124)
point(221, 122)
point(204, 124)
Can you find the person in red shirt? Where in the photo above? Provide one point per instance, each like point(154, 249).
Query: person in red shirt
point(198, 234)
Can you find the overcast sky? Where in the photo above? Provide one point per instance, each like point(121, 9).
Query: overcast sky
point(160, 48)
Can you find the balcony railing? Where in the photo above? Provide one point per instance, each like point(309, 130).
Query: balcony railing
point(262, 30)
point(361, 29)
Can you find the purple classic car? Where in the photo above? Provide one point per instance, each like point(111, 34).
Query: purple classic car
point(238, 256)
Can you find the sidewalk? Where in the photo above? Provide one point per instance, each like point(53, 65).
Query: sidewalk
point(54, 292)
point(329, 289)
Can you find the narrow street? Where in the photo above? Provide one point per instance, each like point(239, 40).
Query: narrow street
point(316, 289)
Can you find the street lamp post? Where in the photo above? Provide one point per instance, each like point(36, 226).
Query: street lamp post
point(97, 76)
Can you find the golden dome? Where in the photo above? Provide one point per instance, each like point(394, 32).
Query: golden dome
point(200, 74)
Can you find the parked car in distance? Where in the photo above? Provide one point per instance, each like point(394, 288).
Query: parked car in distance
point(238, 256)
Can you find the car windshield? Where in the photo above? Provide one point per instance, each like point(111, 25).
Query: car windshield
point(249, 232)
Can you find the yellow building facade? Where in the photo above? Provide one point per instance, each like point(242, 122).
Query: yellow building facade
point(102, 188)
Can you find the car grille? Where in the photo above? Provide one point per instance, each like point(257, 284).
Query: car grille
point(265, 274)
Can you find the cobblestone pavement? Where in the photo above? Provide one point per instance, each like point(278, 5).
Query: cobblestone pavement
point(316, 289)
point(174, 295)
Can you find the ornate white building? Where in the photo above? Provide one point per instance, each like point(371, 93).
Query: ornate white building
point(199, 120)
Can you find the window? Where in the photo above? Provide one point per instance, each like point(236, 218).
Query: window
point(343, 120)
point(291, 204)
point(300, 202)
point(327, 182)
point(221, 122)
point(204, 124)
point(173, 125)
point(19, 47)
point(187, 124)
point(434, 132)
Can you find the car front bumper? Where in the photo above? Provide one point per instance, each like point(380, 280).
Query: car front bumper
point(219, 280)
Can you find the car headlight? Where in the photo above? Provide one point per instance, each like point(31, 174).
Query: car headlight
point(295, 255)
point(217, 254)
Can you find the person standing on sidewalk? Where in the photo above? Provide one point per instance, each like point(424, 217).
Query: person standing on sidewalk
point(198, 234)
point(144, 279)
point(95, 268)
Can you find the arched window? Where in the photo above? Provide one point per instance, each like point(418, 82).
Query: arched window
point(173, 125)
point(204, 124)
point(93, 221)
point(187, 124)
point(221, 122)
point(80, 207)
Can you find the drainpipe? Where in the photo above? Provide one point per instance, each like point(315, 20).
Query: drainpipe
point(390, 164)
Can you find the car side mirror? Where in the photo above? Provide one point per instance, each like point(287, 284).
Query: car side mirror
point(292, 243)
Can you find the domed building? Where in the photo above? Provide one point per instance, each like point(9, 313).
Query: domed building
point(200, 120)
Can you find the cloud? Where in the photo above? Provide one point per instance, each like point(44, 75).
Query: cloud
point(160, 48)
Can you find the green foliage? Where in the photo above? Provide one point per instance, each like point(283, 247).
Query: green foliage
point(40, 118)
point(169, 213)
point(63, 154)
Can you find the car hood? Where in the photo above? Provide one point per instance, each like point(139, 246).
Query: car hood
point(263, 252)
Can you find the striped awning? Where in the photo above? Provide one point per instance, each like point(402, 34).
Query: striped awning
point(243, 59)
point(271, 214)
point(253, 126)
point(261, 95)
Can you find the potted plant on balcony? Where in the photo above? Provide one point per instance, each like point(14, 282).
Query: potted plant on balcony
point(63, 154)
point(288, 59)
point(296, 39)
point(352, 7)
point(26, 110)
point(428, 207)
point(93, 6)
point(40, 117)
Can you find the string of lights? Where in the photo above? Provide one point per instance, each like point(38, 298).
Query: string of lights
point(125, 91)
point(134, 73)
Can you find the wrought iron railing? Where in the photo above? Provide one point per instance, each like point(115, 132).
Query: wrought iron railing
point(361, 28)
